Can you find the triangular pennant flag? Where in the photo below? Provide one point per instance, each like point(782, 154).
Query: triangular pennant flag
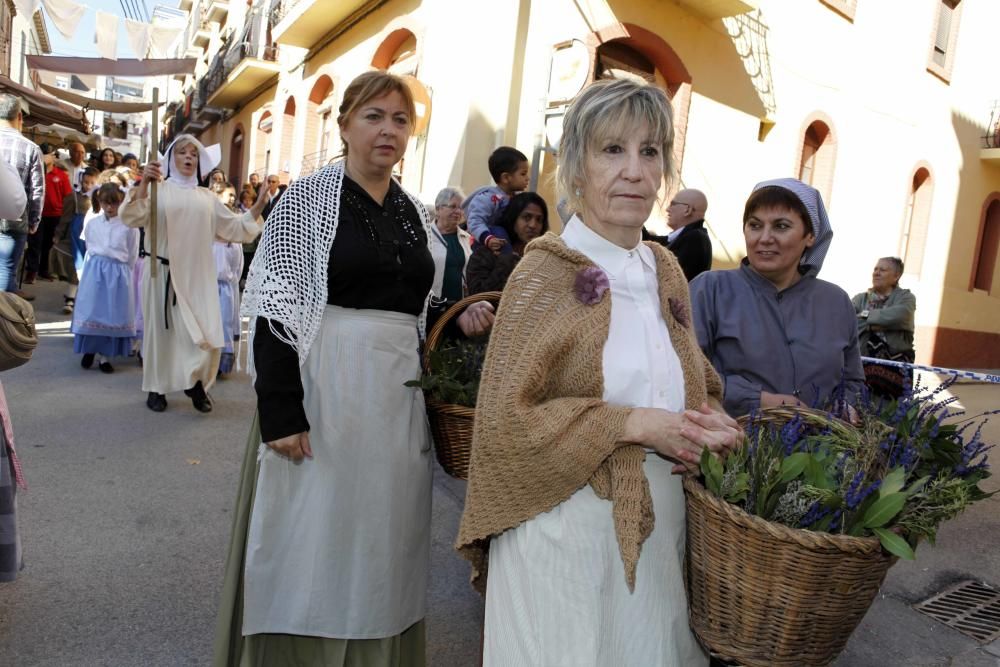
point(138, 37)
point(106, 35)
point(65, 15)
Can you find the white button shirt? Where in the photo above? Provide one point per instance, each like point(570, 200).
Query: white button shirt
point(641, 368)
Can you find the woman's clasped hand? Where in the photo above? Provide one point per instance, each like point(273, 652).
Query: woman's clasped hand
point(681, 436)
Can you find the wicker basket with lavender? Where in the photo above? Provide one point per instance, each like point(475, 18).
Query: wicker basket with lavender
point(790, 538)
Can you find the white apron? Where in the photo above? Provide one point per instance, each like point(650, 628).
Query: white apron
point(339, 545)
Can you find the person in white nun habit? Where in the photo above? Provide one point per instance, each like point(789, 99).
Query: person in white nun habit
point(183, 337)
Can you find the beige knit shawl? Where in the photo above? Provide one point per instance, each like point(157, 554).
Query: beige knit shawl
point(542, 429)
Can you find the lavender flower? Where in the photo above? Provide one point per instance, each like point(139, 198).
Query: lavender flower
point(853, 500)
point(852, 490)
point(590, 286)
point(816, 513)
point(790, 434)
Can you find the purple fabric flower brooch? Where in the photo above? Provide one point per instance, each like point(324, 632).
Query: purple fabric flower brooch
point(679, 312)
point(590, 286)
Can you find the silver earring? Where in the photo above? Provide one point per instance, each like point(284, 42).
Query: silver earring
point(578, 192)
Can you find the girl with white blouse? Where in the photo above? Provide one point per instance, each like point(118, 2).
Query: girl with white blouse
point(104, 316)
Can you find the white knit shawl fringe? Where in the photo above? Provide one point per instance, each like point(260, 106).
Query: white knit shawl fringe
point(287, 281)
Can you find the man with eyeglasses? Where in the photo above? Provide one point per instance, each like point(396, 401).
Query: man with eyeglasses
point(274, 192)
point(688, 239)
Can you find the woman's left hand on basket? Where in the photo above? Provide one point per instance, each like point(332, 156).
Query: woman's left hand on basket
point(477, 319)
point(295, 447)
point(713, 429)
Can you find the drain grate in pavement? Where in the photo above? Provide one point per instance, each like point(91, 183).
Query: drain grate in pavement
point(969, 607)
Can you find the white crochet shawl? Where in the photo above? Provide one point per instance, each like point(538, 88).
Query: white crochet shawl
point(288, 276)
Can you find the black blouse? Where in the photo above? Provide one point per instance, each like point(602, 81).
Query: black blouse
point(379, 261)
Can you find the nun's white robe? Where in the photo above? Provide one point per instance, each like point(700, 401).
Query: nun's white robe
point(183, 338)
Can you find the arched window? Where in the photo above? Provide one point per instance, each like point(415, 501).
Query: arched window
point(989, 246)
point(287, 138)
point(236, 158)
point(913, 240)
point(397, 53)
point(816, 159)
point(262, 155)
point(615, 59)
point(319, 125)
point(636, 51)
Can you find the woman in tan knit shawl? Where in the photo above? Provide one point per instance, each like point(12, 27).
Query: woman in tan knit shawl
point(594, 395)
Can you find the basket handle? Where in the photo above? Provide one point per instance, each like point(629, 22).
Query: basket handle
point(434, 335)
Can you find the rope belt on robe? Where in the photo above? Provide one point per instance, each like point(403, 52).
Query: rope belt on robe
point(166, 289)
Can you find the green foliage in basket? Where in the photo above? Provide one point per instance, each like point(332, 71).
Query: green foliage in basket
point(897, 475)
point(454, 370)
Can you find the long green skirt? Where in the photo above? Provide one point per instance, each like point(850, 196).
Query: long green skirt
point(232, 649)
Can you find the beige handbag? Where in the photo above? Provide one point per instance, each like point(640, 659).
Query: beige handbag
point(18, 339)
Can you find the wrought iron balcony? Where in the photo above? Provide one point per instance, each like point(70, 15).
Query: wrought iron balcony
point(242, 65)
point(314, 161)
point(992, 137)
point(990, 150)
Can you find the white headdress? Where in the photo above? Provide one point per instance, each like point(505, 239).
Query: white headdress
point(287, 279)
point(208, 158)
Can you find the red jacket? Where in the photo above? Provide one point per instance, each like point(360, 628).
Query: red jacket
point(57, 187)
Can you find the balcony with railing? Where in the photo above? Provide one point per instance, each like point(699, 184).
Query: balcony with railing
point(244, 63)
point(304, 22)
point(990, 150)
point(314, 161)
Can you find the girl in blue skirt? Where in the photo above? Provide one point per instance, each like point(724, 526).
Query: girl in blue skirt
point(104, 317)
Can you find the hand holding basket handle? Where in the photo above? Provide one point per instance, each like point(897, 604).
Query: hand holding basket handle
point(451, 425)
point(477, 319)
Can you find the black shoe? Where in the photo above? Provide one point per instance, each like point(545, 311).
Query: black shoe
point(156, 402)
point(199, 399)
point(106, 367)
point(88, 360)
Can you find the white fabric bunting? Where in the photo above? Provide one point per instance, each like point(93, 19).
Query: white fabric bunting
point(65, 15)
point(106, 35)
point(138, 37)
point(162, 37)
point(27, 8)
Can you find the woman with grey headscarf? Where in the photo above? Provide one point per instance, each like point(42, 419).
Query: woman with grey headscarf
point(776, 333)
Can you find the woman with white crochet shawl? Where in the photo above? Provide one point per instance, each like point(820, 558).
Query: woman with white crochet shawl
point(182, 340)
point(329, 558)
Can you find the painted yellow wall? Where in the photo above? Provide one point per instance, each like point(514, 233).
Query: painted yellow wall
point(487, 67)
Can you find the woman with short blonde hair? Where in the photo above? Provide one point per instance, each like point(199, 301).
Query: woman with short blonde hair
point(594, 394)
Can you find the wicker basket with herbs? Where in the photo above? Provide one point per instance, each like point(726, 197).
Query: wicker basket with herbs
point(450, 381)
point(790, 538)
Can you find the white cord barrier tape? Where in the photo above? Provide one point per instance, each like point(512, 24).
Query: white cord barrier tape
point(981, 377)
